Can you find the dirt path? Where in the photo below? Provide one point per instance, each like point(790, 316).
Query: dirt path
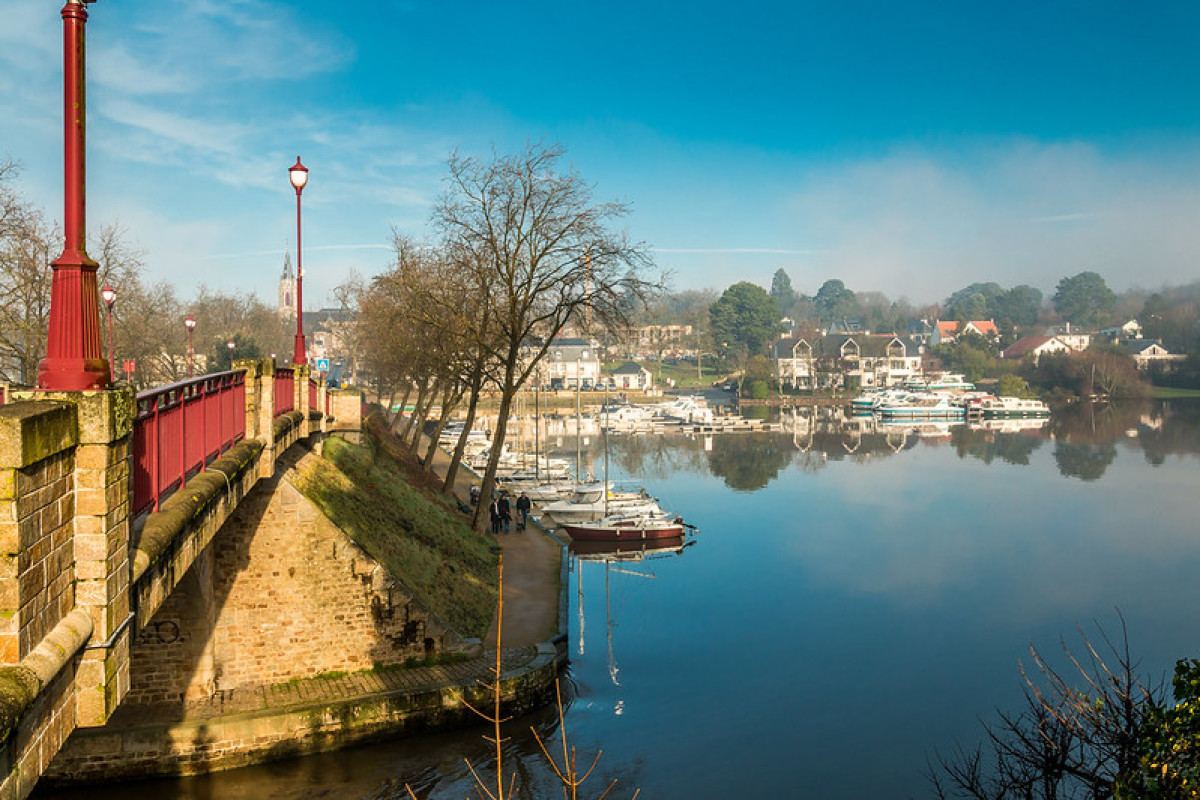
point(532, 567)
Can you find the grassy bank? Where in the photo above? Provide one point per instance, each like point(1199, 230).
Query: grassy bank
point(1169, 393)
point(421, 540)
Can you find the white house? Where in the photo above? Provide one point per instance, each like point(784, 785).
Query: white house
point(631, 375)
point(1147, 352)
point(836, 361)
point(570, 364)
point(1034, 347)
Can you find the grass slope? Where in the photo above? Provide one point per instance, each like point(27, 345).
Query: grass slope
point(423, 542)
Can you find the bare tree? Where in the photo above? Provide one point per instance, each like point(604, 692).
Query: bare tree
point(1079, 735)
point(542, 254)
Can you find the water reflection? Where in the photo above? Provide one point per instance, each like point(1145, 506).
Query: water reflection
point(1085, 441)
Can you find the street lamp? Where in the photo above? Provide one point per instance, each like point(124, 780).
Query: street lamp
point(189, 322)
point(231, 344)
point(73, 361)
point(298, 174)
point(109, 294)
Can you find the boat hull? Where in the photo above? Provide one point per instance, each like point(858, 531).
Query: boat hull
point(631, 531)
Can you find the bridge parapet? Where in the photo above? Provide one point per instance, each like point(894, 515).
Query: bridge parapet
point(76, 579)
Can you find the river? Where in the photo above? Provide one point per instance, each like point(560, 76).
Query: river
point(855, 601)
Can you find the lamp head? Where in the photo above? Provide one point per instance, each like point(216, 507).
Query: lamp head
point(189, 322)
point(298, 173)
point(109, 294)
point(231, 344)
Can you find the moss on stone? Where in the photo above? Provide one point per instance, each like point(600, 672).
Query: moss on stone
point(179, 510)
point(18, 688)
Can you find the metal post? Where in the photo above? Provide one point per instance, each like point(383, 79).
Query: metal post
point(73, 357)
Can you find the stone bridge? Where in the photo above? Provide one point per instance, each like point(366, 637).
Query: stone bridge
point(104, 511)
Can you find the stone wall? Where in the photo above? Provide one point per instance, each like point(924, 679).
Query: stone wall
point(286, 595)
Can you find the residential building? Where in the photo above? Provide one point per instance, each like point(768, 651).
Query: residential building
point(834, 361)
point(1150, 352)
point(1034, 347)
point(569, 363)
point(1129, 330)
point(632, 375)
point(948, 330)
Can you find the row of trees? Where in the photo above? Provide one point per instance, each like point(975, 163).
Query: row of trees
point(522, 250)
point(147, 317)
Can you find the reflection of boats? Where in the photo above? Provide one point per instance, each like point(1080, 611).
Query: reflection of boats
point(622, 528)
point(626, 550)
point(1009, 424)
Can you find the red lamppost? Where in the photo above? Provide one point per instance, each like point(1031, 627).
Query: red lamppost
point(231, 344)
point(73, 357)
point(109, 295)
point(298, 174)
point(189, 322)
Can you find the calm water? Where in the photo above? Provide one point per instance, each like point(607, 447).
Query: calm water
point(856, 599)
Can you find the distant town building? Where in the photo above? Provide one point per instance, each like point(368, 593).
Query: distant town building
point(1150, 352)
point(569, 363)
point(632, 375)
point(949, 330)
point(1129, 330)
point(840, 361)
point(1033, 347)
point(286, 306)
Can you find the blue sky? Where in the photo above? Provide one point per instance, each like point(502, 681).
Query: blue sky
point(907, 148)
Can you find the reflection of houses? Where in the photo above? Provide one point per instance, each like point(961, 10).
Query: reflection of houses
point(1033, 347)
point(1149, 352)
point(822, 362)
point(948, 330)
point(633, 376)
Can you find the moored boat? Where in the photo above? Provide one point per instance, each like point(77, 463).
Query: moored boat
point(1005, 407)
point(623, 528)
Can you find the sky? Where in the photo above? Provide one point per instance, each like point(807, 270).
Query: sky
point(908, 148)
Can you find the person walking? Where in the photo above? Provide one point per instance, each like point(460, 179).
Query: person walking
point(505, 512)
point(523, 506)
point(494, 514)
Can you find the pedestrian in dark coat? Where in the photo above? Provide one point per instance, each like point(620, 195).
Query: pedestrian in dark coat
point(523, 506)
point(494, 513)
point(505, 511)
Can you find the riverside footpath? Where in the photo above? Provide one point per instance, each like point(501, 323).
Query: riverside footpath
point(533, 572)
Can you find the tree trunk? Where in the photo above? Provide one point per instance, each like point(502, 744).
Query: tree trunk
point(395, 420)
point(419, 416)
point(489, 475)
point(422, 389)
point(461, 446)
point(450, 401)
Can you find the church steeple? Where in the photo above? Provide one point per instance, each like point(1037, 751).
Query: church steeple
point(287, 288)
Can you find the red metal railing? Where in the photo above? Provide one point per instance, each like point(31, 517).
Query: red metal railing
point(285, 390)
point(180, 428)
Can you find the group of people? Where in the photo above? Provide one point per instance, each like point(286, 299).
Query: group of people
point(500, 511)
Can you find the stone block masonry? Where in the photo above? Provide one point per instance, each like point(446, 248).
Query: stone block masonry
point(280, 594)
